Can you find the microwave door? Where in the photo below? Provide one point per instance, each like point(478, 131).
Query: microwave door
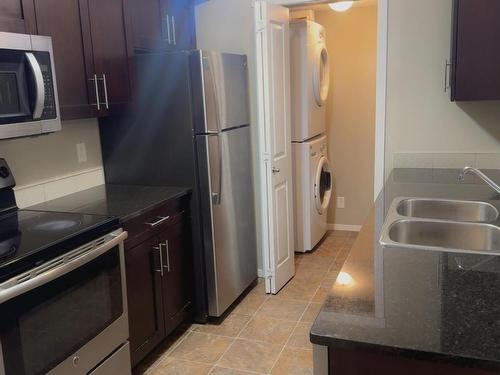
point(36, 71)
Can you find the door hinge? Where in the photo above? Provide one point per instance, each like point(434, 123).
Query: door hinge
point(260, 26)
point(269, 274)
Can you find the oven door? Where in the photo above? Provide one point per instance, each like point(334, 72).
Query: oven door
point(69, 314)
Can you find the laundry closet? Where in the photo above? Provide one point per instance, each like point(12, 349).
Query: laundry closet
point(312, 78)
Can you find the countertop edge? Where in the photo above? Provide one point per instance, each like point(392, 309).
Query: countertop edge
point(416, 354)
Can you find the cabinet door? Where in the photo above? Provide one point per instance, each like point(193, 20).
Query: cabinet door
point(149, 25)
point(177, 286)
point(475, 53)
point(17, 16)
point(182, 24)
point(144, 294)
point(103, 23)
point(61, 21)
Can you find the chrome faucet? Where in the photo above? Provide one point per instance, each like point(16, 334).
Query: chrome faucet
point(481, 175)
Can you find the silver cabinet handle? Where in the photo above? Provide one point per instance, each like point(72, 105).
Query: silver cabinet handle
point(169, 39)
point(276, 170)
point(105, 90)
point(98, 100)
point(36, 70)
point(158, 222)
point(174, 31)
point(168, 256)
point(161, 259)
point(447, 76)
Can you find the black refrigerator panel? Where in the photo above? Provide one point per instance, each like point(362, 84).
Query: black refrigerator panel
point(153, 144)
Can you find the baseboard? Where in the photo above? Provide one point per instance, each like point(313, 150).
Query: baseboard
point(343, 227)
point(43, 191)
point(260, 272)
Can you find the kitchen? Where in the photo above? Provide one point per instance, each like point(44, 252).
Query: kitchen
point(159, 234)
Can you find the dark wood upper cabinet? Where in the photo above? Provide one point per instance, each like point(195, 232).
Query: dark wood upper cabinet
point(183, 24)
point(61, 20)
point(91, 54)
point(105, 39)
point(163, 25)
point(475, 64)
point(17, 16)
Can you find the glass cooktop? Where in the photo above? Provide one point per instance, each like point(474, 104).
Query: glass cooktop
point(28, 237)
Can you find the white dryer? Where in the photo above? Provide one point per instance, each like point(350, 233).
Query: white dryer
point(313, 179)
point(310, 79)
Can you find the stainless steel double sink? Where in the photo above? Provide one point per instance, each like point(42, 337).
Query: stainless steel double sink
point(443, 225)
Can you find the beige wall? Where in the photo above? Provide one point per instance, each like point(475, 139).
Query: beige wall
point(352, 46)
point(48, 157)
point(420, 116)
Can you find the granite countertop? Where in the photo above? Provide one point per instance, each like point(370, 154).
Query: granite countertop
point(122, 201)
point(419, 303)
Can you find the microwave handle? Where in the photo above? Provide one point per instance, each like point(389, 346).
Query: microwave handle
point(13, 288)
point(39, 83)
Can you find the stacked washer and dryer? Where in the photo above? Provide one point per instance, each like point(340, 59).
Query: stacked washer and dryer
point(310, 80)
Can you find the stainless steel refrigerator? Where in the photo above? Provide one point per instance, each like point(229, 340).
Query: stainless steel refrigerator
point(190, 126)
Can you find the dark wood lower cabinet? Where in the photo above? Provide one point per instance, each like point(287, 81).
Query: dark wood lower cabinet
point(176, 287)
point(144, 294)
point(159, 272)
point(363, 362)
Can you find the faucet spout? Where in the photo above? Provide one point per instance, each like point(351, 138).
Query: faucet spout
point(481, 175)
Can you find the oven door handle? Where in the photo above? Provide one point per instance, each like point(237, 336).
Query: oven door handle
point(39, 83)
point(56, 268)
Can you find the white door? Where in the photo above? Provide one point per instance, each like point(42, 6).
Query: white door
point(273, 71)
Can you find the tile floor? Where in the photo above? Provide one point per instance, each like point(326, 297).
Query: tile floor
point(263, 334)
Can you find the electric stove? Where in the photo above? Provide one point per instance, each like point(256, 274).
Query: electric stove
point(29, 238)
point(62, 290)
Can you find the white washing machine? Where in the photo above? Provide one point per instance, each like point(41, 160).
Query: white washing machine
point(313, 179)
point(310, 79)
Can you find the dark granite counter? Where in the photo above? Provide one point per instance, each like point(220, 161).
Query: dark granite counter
point(423, 304)
point(122, 201)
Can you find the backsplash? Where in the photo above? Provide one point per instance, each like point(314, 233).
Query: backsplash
point(447, 160)
point(47, 167)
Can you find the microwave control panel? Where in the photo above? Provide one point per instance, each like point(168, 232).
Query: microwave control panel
point(49, 111)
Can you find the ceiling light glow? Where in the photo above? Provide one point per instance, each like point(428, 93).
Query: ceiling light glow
point(341, 6)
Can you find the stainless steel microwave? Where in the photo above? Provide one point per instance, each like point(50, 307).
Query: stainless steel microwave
point(28, 91)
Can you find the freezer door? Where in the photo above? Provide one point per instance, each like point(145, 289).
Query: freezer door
point(225, 92)
point(228, 215)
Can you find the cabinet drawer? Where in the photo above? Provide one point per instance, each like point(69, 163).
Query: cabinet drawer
point(154, 221)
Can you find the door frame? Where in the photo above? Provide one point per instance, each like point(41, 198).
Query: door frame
point(381, 87)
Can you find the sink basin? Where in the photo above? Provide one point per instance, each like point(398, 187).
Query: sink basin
point(444, 236)
point(454, 210)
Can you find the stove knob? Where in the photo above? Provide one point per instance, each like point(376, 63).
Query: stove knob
point(4, 172)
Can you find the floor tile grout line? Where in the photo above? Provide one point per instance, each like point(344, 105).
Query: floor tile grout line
point(241, 330)
point(170, 350)
point(346, 247)
point(299, 321)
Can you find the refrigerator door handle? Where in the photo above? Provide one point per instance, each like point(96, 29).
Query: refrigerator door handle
point(216, 196)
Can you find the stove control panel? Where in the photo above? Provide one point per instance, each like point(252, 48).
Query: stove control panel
point(6, 177)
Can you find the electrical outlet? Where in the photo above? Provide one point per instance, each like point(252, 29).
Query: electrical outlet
point(340, 202)
point(81, 151)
